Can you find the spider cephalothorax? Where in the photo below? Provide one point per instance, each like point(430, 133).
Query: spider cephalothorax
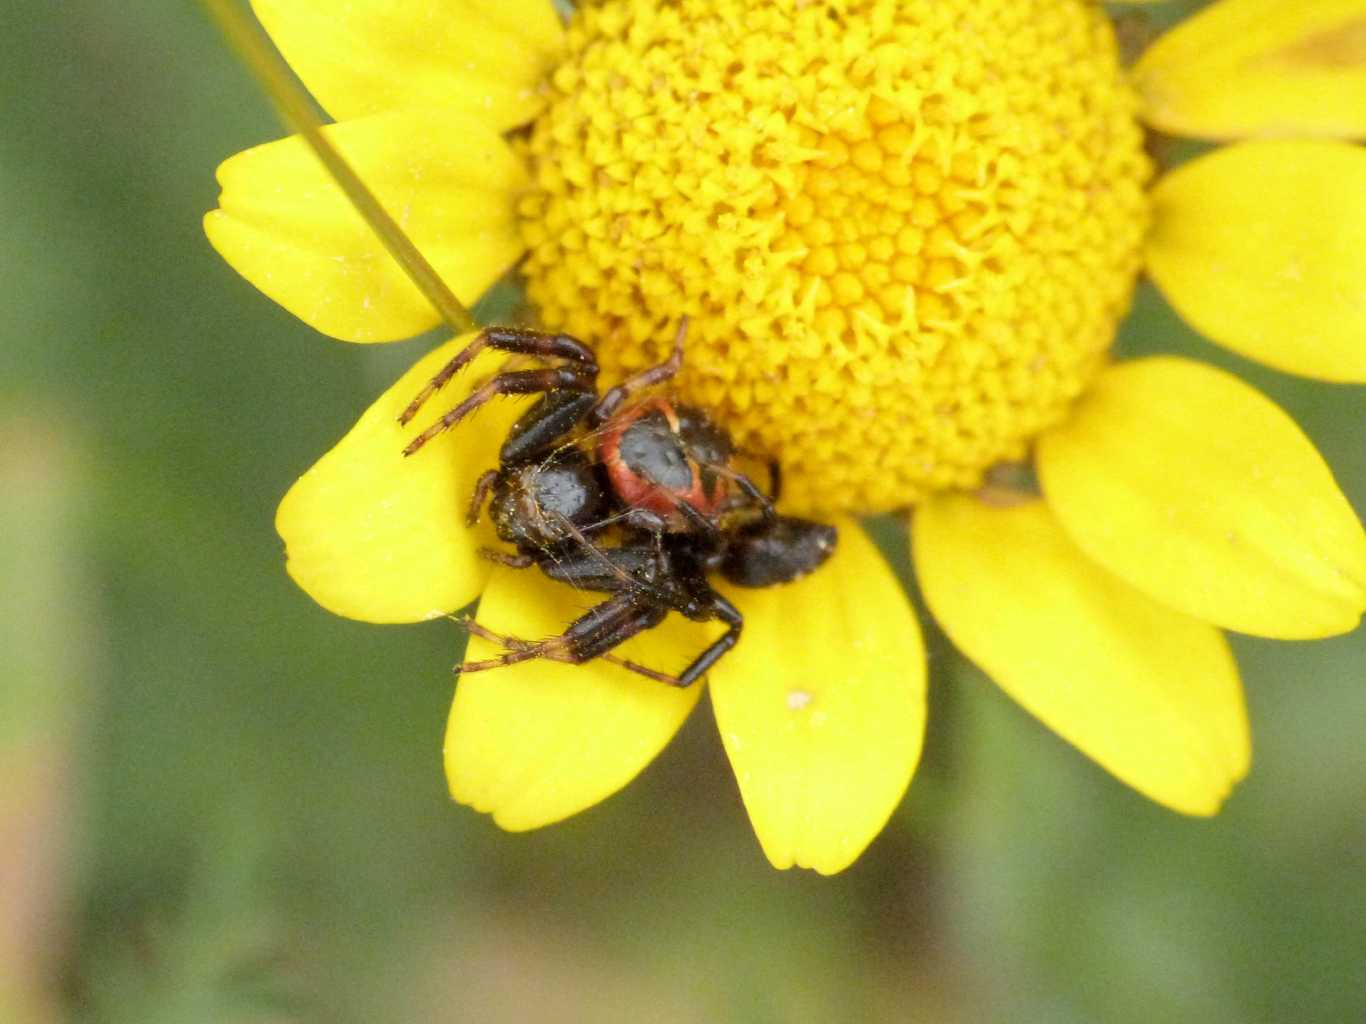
point(637, 498)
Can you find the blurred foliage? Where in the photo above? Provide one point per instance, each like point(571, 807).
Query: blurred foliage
point(262, 826)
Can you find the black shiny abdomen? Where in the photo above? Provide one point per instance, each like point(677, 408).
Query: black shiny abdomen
point(654, 453)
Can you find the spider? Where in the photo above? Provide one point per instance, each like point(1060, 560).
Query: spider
point(657, 477)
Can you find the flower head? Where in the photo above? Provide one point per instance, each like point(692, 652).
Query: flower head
point(906, 231)
point(905, 234)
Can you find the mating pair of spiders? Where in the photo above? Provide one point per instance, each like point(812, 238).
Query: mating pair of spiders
point(629, 495)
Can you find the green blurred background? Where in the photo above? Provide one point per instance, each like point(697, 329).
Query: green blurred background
point(221, 803)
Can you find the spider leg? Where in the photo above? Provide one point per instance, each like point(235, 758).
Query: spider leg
point(501, 639)
point(633, 607)
point(513, 382)
point(519, 340)
point(723, 610)
point(594, 633)
point(775, 473)
point(648, 673)
point(730, 615)
point(612, 399)
point(759, 500)
point(481, 493)
point(644, 520)
point(604, 569)
point(704, 525)
point(584, 565)
point(503, 558)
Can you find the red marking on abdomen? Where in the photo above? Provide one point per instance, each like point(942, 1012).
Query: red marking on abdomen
point(640, 491)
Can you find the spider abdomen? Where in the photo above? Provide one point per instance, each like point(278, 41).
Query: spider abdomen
point(652, 465)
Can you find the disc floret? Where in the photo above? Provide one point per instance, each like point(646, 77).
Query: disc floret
point(906, 231)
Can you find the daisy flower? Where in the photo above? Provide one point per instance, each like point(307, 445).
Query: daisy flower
point(905, 233)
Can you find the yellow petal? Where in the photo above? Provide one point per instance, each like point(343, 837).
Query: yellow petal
point(1202, 493)
point(535, 742)
point(1262, 248)
point(1151, 695)
point(1241, 68)
point(288, 229)
point(366, 56)
point(375, 536)
point(821, 706)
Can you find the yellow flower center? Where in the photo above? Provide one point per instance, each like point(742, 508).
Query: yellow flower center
point(905, 229)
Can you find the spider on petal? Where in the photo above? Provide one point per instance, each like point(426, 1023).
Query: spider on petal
point(660, 476)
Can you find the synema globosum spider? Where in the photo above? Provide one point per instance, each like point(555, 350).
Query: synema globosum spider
point(657, 479)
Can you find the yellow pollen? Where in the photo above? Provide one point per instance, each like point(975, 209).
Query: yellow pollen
point(905, 230)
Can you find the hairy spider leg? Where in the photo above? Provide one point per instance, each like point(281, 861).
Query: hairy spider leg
point(704, 525)
point(595, 632)
point(775, 480)
point(757, 498)
point(518, 340)
point(775, 477)
point(730, 615)
point(638, 602)
point(633, 567)
point(503, 640)
point(721, 609)
point(635, 666)
point(503, 558)
point(613, 398)
point(482, 487)
point(513, 382)
point(775, 472)
point(762, 500)
point(606, 626)
point(609, 569)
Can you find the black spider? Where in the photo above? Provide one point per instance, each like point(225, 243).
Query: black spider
point(659, 480)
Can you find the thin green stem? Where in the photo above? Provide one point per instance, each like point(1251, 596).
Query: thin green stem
point(299, 115)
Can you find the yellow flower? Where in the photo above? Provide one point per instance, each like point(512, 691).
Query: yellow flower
point(905, 232)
